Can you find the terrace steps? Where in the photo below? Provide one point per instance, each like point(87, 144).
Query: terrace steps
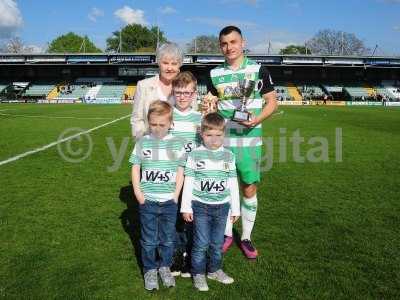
point(294, 92)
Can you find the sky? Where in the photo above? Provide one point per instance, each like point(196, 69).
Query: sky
point(284, 22)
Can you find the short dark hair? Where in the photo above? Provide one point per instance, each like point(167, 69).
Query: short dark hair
point(228, 29)
point(212, 121)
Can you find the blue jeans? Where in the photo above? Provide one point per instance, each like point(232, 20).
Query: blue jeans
point(208, 236)
point(157, 230)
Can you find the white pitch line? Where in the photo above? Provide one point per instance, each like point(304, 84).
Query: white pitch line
point(281, 112)
point(50, 117)
point(19, 156)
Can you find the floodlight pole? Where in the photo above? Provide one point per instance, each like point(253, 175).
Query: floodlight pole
point(120, 41)
point(373, 52)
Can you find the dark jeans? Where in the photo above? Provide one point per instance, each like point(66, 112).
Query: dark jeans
point(184, 235)
point(157, 229)
point(208, 236)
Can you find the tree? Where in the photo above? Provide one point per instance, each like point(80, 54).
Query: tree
point(16, 45)
point(294, 49)
point(331, 42)
point(72, 43)
point(135, 37)
point(204, 44)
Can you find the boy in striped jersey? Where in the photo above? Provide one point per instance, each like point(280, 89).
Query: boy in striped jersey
point(244, 138)
point(186, 125)
point(187, 121)
point(157, 176)
point(210, 190)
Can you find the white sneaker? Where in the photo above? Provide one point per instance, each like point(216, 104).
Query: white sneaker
point(220, 276)
point(200, 282)
point(150, 280)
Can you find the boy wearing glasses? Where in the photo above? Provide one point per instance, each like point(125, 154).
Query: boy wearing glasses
point(186, 124)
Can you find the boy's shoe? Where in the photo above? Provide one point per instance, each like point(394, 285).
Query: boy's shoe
point(151, 280)
point(176, 264)
point(228, 241)
point(185, 271)
point(166, 277)
point(220, 276)
point(248, 249)
point(200, 282)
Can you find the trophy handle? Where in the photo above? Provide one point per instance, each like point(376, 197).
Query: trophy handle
point(259, 87)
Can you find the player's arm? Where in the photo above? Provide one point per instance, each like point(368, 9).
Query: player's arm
point(269, 95)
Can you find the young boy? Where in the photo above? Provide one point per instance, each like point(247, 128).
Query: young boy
point(210, 190)
point(157, 177)
point(186, 125)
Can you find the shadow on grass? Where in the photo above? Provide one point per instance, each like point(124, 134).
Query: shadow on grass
point(130, 221)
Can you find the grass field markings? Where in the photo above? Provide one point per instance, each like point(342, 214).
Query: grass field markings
point(278, 113)
point(59, 141)
point(55, 117)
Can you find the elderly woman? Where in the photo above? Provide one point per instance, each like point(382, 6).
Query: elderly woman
point(159, 87)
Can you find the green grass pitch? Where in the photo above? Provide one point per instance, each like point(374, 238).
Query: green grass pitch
point(326, 229)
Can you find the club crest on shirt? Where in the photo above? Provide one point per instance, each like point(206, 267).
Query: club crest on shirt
point(226, 167)
point(249, 76)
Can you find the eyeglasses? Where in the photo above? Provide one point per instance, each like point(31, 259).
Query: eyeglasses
point(185, 94)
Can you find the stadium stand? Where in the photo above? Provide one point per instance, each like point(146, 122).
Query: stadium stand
point(391, 89)
point(73, 92)
point(130, 91)
point(3, 85)
point(38, 89)
point(54, 92)
point(311, 92)
point(282, 93)
point(94, 90)
point(370, 90)
point(111, 91)
point(294, 92)
point(356, 92)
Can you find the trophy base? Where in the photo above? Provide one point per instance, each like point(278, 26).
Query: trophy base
point(240, 116)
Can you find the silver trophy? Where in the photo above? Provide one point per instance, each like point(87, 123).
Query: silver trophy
point(245, 88)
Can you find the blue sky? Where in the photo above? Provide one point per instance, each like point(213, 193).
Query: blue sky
point(280, 22)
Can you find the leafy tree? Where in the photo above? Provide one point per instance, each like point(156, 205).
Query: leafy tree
point(135, 37)
point(332, 42)
point(204, 44)
point(294, 49)
point(72, 43)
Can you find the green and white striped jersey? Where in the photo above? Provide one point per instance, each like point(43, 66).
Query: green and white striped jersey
point(186, 126)
point(225, 81)
point(159, 160)
point(210, 178)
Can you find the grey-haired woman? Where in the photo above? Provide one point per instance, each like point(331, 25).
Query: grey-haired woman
point(159, 87)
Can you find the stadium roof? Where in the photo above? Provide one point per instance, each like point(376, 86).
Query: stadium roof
point(197, 58)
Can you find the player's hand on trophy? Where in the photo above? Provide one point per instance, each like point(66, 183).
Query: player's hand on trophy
point(252, 122)
point(209, 104)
